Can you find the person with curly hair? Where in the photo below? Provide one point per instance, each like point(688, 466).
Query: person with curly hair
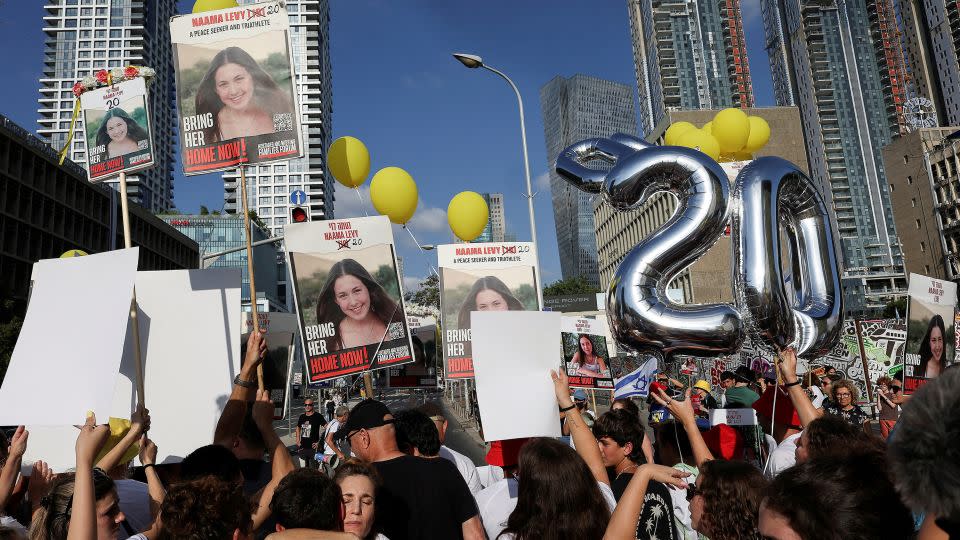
point(205, 509)
point(843, 395)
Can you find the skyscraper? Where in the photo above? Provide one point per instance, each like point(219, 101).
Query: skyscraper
point(83, 39)
point(269, 186)
point(689, 54)
point(575, 109)
point(839, 61)
point(494, 230)
point(931, 35)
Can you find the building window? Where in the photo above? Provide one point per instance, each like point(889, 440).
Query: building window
point(913, 203)
point(923, 247)
point(918, 223)
point(909, 180)
point(926, 269)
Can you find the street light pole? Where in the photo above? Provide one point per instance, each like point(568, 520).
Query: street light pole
point(473, 62)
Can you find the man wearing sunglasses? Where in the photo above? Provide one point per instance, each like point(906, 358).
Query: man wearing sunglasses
point(418, 497)
point(309, 427)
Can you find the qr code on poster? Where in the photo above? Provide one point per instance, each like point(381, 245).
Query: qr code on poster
point(282, 122)
point(143, 145)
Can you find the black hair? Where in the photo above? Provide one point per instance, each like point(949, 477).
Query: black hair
point(727, 375)
point(732, 491)
point(553, 480)
point(846, 498)
point(831, 435)
point(134, 131)
point(672, 436)
point(416, 430)
point(622, 427)
point(382, 306)
point(211, 460)
point(628, 405)
point(307, 499)
point(203, 509)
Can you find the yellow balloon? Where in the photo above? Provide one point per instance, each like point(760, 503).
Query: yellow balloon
point(349, 161)
point(759, 134)
point(73, 253)
point(731, 128)
point(708, 127)
point(672, 135)
point(702, 141)
point(212, 5)
point(467, 214)
point(394, 194)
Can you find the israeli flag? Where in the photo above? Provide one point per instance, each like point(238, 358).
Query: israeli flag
point(637, 382)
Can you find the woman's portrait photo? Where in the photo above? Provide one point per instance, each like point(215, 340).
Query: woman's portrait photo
point(359, 295)
point(930, 339)
point(246, 88)
point(120, 131)
point(503, 289)
point(586, 355)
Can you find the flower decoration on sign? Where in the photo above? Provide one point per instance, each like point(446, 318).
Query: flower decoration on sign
point(110, 77)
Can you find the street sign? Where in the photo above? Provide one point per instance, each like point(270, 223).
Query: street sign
point(298, 197)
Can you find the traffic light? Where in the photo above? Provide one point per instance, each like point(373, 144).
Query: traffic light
point(299, 214)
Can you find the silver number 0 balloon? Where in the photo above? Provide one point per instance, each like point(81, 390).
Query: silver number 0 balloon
point(769, 190)
point(641, 316)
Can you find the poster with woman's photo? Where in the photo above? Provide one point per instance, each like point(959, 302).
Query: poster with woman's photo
point(930, 340)
point(495, 276)
point(422, 372)
point(235, 87)
point(346, 289)
point(281, 330)
point(116, 124)
point(587, 351)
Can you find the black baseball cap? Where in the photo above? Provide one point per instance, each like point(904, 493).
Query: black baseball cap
point(367, 414)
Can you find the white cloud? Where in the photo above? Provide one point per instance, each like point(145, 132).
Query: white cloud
point(542, 181)
point(429, 220)
point(412, 283)
point(347, 204)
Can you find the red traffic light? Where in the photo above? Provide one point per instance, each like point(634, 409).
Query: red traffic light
point(299, 215)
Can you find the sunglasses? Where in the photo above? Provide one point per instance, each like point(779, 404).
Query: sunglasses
point(308, 404)
point(895, 388)
point(692, 491)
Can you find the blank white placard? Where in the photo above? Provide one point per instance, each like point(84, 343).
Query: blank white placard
point(68, 353)
point(190, 340)
point(513, 353)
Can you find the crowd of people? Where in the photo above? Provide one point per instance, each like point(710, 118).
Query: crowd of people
point(389, 474)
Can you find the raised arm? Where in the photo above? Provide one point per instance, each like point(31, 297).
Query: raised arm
point(583, 438)
point(148, 457)
point(801, 401)
point(11, 469)
point(683, 412)
point(280, 459)
point(231, 420)
point(83, 512)
point(139, 424)
point(623, 522)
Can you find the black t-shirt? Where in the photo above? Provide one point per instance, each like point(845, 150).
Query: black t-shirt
point(422, 498)
point(656, 517)
point(854, 416)
point(310, 428)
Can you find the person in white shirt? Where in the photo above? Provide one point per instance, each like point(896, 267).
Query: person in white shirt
point(468, 470)
point(498, 500)
point(330, 448)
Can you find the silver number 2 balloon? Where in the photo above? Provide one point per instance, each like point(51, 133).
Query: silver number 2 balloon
point(769, 190)
point(641, 316)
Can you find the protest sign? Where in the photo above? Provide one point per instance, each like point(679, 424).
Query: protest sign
point(496, 276)
point(71, 341)
point(513, 353)
point(930, 340)
point(422, 372)
point(235, 87)
point(116, 122)
point(188, 374)
point(347, 295)
point(280, 330)
point(587, 350)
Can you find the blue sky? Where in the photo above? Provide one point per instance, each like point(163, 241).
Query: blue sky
point(396, 87)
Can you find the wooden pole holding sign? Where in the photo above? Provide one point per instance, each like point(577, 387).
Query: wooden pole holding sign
point(127, 243)
point(253, 287)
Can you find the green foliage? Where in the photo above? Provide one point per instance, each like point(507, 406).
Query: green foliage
point(204, 210)
point(572, 285)
point(170, 212)
point(897, 306)
point(256, 219)
point(428, 294)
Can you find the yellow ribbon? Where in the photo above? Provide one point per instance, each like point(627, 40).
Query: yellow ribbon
point(73, 121)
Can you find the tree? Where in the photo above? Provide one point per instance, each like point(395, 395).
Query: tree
point(896, 308)
point(256, 219)
point(428, 294)
point(571, 285)
point(11, 319)
point(204, 211)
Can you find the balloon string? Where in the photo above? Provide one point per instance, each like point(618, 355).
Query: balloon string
point(360, 198)
point(415, 241)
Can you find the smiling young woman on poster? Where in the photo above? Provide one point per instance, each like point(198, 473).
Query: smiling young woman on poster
point(358, 305)
point(120, 133)
point(241, 96)
point(487, 294)
point(591, 364)
point(932, 357)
